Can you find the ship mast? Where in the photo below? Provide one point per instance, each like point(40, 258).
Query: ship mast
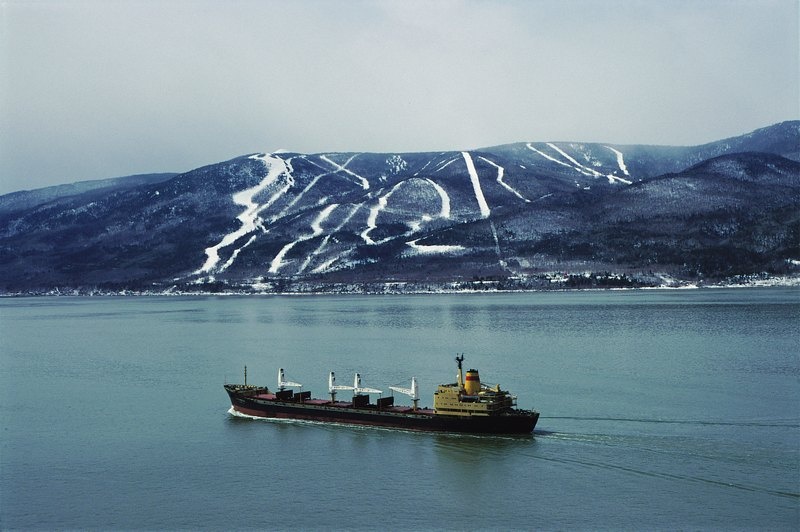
point(459, 360)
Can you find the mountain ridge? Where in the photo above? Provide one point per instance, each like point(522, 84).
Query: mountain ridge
point(519, 214)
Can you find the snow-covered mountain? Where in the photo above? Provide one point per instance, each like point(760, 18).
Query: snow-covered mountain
point(515, 214)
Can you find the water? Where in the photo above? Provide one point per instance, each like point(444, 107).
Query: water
point(660, 410)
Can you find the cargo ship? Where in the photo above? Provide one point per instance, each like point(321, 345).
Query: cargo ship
point(466, 406)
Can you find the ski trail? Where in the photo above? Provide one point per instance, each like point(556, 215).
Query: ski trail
point(445, 212)
point(309, 161)
point(341, 168)
point(313, 182)
point(497, 245)
point(500, 173)
point(476, 185)
point(325, 265)
point(316, 230)
point(260, 221)
point(300, 195)
point(584, 169)
point(543, 154)
point(612, 178)
point(620, 161)
point(448, 163)
point(421, 248)
point(314, 253)
point(372, 219)
point(324, 243)
point(578, 166)
point(249, 218)
point(421, 169)
point(236, 254)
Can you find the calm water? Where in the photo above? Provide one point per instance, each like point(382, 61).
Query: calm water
point(660, 410)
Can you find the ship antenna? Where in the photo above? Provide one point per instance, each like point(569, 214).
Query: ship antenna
point(245, 375)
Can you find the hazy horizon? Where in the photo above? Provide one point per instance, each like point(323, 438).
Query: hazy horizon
point(93, 90)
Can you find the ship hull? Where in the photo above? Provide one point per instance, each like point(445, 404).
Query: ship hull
point(514, 422)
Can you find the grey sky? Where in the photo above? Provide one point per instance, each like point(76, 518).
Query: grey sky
point(96, 88)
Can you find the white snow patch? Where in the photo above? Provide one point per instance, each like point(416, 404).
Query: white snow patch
point(500, 173)
point(586, 170)
point(543, 154)
point(316, 229)
point(372, 219)
point(476, 185)
point(236, 254)
point(578, 166)
point(300, 195)
point(396, 164)
point(445, 212)
point(325, 265)
point(575, 165)
point(342, 168)
point(249, 218)
point(446, 164)
point(433, 249)
point(620, 161)
point(324, 243)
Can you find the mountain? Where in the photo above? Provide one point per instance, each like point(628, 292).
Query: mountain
point(26, 199)
point(525, 215)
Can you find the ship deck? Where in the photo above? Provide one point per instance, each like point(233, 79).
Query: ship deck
point(399, 409)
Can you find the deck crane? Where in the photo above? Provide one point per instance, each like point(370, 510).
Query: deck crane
point(283, 383)
point(412, 392)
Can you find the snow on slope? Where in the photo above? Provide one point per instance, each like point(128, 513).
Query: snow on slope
point(415, 224)
point(380, 203)
point(372, 219)
point(445, 211)
point(500, 173)
point(548, 157)
point(250, 218)
point(578, 167)
point(444, 165)
point(620, 161)
point(317, 252)
point(343, 168)
point(316, 230)
point(476, 185)
point(420, 248)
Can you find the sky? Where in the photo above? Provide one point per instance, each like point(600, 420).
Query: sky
point(92, 89)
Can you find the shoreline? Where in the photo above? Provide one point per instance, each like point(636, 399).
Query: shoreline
point(393, 289)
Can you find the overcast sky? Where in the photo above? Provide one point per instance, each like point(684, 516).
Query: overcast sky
point(95, 88)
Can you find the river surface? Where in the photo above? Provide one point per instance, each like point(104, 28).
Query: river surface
point(660, 410)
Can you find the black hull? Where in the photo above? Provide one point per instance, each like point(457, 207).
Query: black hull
point(514, 422)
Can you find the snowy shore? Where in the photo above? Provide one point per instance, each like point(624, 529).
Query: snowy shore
point(539, 284)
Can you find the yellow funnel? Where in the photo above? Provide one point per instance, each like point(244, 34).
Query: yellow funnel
point(473, 382)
